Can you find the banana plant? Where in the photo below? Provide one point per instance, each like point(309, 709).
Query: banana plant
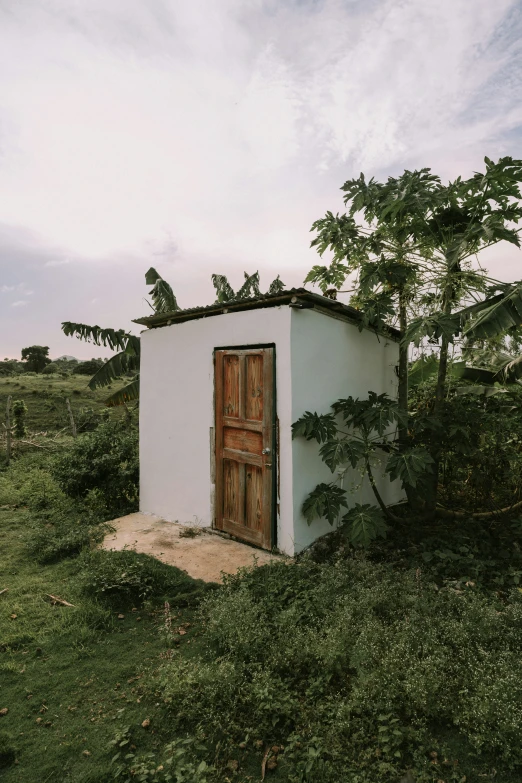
point(128, 346)
point(249, 289)
point(495, 317)
point(126, 360)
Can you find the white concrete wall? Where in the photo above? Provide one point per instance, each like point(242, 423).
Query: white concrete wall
point(177, 411)
point(332, 359)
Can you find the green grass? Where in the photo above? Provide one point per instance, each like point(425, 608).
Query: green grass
point(69, 675)
point(358, 670)
point(45, 397)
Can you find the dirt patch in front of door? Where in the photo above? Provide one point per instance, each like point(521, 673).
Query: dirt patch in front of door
point(202, 554)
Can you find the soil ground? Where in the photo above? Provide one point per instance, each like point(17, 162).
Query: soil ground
point(202, 554)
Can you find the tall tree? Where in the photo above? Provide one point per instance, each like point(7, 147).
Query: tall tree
point(410, 259)
point(36, 357)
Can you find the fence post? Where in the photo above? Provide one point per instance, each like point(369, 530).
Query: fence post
point(71, 417)
point(8, 429)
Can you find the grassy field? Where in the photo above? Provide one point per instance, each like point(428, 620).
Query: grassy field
point(401, 664)
point(70, 675)
point(45, 395)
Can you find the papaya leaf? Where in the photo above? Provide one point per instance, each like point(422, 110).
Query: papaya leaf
point(409, 466)
point(339, 452)
point(325, 501)
point(314, 426)
point(363, 524)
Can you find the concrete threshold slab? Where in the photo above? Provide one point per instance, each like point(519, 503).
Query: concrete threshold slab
point(203, 555)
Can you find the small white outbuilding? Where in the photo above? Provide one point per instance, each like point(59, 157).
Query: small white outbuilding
point(219, 389)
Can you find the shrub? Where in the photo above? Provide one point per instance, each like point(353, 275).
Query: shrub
point(129, 578)
point(105, 460)
point(50, 369)
point(19, 409)
point(89, 367)
point(49, 545)
point(359, 671)
point(7, 368)
point(39, 491)
point(88, 419)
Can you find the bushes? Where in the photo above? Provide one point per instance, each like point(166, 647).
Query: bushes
point(105, 460)
point(369, 670)
point(129, 578)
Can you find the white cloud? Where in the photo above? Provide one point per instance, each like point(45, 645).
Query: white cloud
point(220, 123)
point(57, 262)
point(206, 136)
point(19, 303)
point(6, 289)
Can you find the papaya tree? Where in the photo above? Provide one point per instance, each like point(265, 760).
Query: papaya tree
point(409, 250)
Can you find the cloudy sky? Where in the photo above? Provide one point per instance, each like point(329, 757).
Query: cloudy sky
point(207, 136)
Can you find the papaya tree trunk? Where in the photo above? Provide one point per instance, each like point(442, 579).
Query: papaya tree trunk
point(402, 397)
point(403, 374)
point(438, 405)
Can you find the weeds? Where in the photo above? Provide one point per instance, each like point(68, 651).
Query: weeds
point(130, 578)
point(379, 671)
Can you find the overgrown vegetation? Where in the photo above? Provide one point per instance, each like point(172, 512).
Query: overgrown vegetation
point(383, 671)
point(103, 462)
point(410, 249)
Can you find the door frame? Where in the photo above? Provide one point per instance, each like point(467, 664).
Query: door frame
point(275, 434)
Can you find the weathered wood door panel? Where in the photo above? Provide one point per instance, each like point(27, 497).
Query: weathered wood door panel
point(244, 443)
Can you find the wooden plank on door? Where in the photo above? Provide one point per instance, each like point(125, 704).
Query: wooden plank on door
point(245, 443)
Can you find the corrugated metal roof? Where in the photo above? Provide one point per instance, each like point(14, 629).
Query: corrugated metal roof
point(299, 298)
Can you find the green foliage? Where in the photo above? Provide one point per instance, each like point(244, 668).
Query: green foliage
point(411, 466)
point(408, 247)
point(50, 545)
point(369, 434)
point(341, 451)
point(375, 414)
point(50, 369)
point(163, 299)
point(7, 367)
point(363, 524)
point(88, 367)
point(381, 673)
point(249, 289)
point(479, 435)
point(105, 460)
point(109, 338)
point(19, 409)
point(130, 578)
point(313, 426)
point(36, 357)
point(176, 763)
point(326, 500)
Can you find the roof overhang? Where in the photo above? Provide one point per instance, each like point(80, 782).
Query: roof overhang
point(298, 298)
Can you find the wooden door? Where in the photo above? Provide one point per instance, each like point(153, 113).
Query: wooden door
point(245, 462)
